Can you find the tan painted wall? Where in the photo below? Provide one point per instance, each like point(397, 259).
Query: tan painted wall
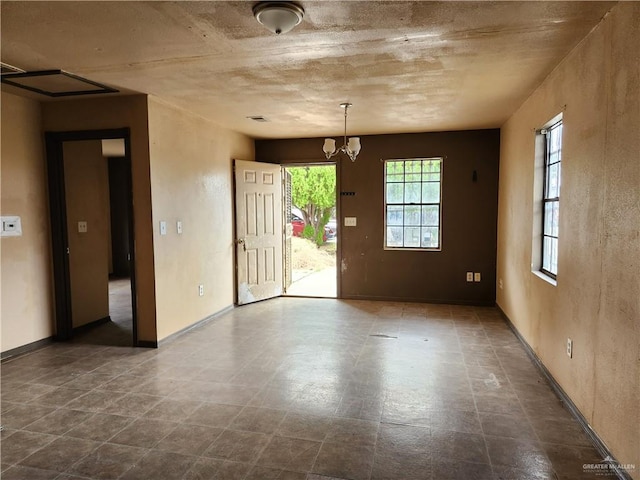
point(597, 298)
point(87, 195)
point(191, 181)
point(119, 112)
point(25, 262)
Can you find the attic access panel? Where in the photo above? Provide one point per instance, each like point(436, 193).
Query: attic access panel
point(55, 83)
point(6, 68)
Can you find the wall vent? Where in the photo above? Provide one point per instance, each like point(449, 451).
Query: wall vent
point(257, 118)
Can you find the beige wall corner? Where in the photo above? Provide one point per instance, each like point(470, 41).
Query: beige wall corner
point(191, 183)
point(596, 301)
point(121, 112)
point(26, 288)
point(87, 198)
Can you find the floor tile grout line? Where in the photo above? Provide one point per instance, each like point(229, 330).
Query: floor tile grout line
point(477, 412)
point(107, 441)
point(375, 445)
point(484, 434)
point(26, 456)
point(521, 406)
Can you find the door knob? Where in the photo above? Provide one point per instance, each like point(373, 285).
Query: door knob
point(241, 242)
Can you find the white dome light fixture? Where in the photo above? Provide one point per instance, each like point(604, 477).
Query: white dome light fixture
point(350, 148)
point(278, 17)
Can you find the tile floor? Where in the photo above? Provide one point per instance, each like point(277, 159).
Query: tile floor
point(118, 332)
point(295, 389)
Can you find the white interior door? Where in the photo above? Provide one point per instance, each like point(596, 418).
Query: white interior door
point(258, 230)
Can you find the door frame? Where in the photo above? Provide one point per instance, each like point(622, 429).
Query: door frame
point(336, 165)
point(58, 218)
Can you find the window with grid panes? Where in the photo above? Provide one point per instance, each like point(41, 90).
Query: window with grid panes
point(413, 201)
point(551, 198)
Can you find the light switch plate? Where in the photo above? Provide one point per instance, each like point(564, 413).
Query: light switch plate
point(350, 221)
point(163, 228)
point(82, 227)
point(179, 227)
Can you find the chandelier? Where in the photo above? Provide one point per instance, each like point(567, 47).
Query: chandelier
point(351, 148)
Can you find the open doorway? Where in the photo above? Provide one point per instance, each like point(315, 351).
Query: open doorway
point(120, 304)
point(312, 231)
point(92, 233)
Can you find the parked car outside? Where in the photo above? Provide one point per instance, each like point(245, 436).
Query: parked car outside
point(298, 227)
point(331, 229)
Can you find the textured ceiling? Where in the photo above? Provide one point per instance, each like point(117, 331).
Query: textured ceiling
point(406, 66)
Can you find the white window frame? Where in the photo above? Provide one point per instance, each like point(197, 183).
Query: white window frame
point(405, 203)
point(540, 181)
point(551, 197)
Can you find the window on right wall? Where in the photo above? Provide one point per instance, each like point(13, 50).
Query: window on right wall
point(551, 197)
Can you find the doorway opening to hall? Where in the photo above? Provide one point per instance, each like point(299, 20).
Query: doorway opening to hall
point(311, 238)
point(91, 210)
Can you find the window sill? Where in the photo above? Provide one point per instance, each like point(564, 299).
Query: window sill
point(544, 277)
point(412, 249)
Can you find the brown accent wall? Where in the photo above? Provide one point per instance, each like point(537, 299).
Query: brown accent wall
point(86, 186)
point(26, 289)
point(469, 216)
point(596, 299)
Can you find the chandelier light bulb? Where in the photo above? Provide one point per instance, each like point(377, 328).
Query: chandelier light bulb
point(329, 146)
point(354, 146)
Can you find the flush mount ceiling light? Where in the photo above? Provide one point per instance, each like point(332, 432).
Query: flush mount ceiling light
point(351, 148)
point(278, 17)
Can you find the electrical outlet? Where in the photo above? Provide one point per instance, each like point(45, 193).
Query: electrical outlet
point(469, 276)
point(569, 348)
point(201, 290)
point(477, 277)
